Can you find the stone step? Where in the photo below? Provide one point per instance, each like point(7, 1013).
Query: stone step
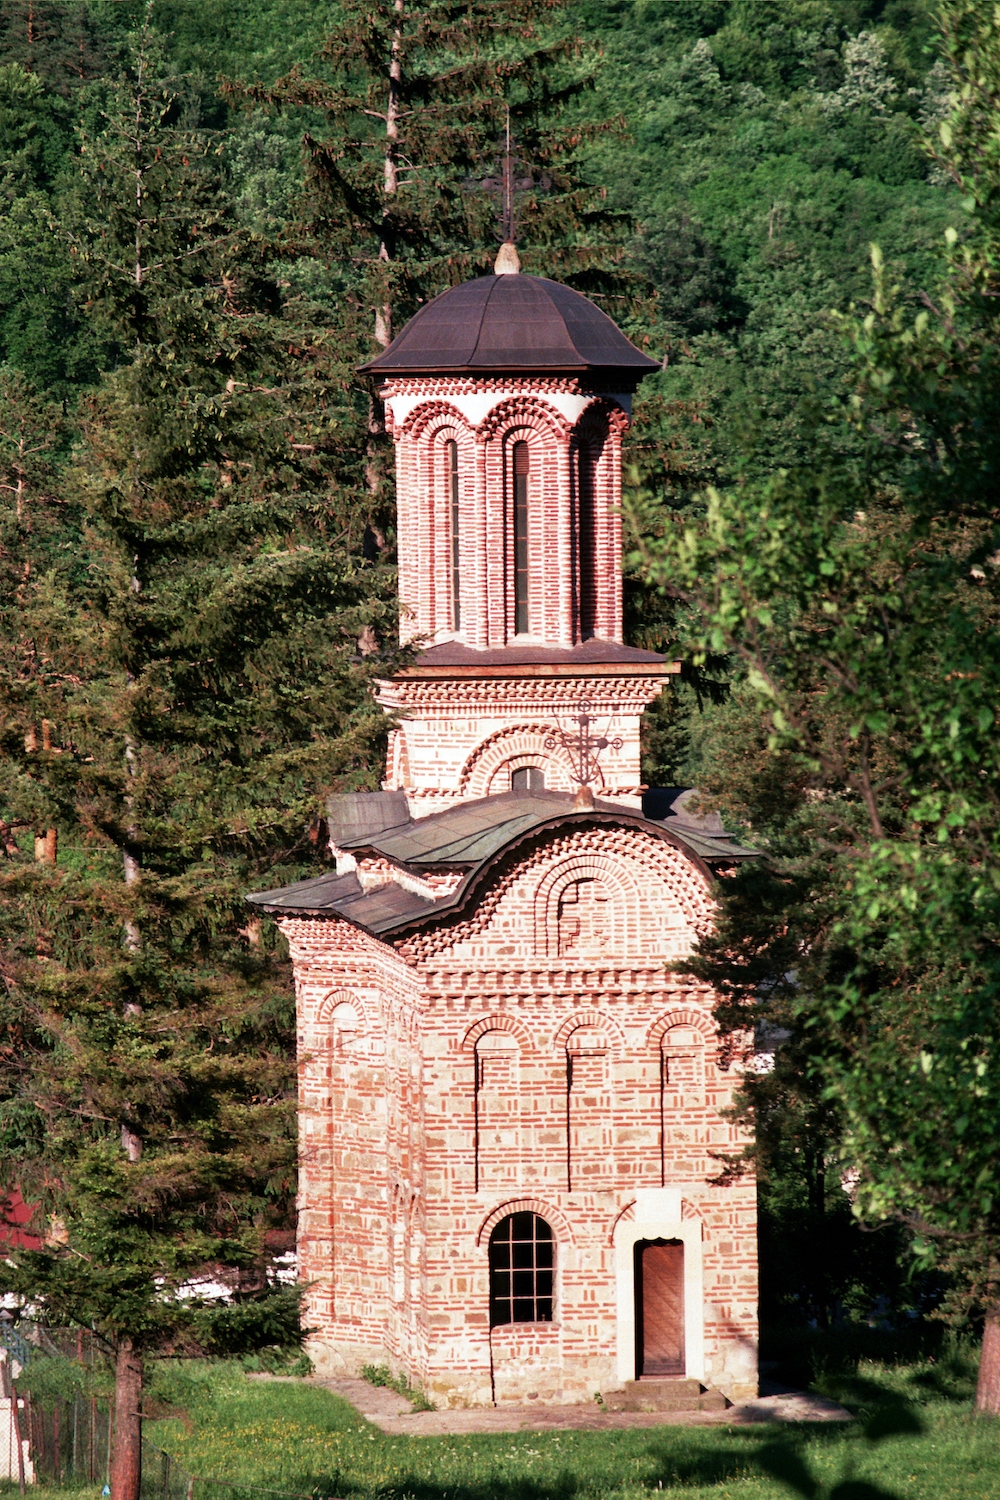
point(665, 1395)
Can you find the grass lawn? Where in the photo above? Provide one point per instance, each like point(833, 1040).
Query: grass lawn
point(914, 1436)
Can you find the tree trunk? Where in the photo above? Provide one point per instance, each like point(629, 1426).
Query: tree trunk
point(46, 846)
point(390, 173)
point(126, 1453)
point(988, 1389)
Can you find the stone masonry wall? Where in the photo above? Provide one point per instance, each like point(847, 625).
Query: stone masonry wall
point(463, 738)
point(538, 1053)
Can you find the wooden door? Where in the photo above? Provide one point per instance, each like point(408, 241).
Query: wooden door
point(659, 1308)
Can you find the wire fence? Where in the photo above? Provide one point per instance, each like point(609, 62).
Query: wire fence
point(68, 1440)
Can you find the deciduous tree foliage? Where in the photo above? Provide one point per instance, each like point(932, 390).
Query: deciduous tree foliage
point(863, 607)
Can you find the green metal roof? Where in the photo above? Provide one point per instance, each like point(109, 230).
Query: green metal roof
point(469, 837)
point(466, 834)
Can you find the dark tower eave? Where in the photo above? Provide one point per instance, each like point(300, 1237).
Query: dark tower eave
point(512, 325)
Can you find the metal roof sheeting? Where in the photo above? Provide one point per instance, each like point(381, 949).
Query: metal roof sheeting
point(510, 323)
point(468, 837)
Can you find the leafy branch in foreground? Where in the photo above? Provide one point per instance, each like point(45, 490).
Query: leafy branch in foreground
point(863, 610)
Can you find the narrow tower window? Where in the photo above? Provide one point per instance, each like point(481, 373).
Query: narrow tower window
point(456, 567)
point(521, 538)
point(588, 542)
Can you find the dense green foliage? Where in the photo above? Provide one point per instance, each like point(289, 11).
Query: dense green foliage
point(196, 529)
point(860, 606)
point(180, 688)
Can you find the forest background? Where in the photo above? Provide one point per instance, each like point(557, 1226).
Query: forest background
point(197, 541)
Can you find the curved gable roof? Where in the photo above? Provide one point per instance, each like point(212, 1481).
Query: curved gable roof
point(470, 837)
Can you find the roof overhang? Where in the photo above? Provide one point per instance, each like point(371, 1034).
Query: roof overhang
point(411, 914)
point(541, 669)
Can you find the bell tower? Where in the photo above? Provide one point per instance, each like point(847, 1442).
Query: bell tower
point(507, 398)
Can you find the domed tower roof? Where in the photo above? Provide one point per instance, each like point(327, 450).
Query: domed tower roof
point(511, 323)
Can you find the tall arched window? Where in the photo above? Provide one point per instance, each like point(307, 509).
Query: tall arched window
point(587, 469)
point(522, 1260)
point(521, 463)
point(451, 456)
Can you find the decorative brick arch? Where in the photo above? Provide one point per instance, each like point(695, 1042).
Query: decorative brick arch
point(626, 1215)
point(590, 865)
point(698, 1020)
point(623, 1216)
point(429, 413)
point(516, 745)
point(501, 778)
point(553, 1216)
point(524, 412)
point(330, 1002)
point(599, 421)
point(638, 855)
point(497, 1023)
point(591, 1019)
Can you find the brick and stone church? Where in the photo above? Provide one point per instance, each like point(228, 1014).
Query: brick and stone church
point(509, 1102)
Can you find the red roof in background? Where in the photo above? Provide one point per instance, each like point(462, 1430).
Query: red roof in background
point(14, 1213)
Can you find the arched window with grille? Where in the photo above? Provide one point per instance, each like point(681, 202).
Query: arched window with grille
point(522, 1269)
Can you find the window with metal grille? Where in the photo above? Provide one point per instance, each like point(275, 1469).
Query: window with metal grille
point(522, 1256)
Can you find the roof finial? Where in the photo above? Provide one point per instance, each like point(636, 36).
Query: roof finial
point(507, 262)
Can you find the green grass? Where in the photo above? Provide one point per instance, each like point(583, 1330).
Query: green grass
point(381, 1375)
point(914, 1437)
point(301, 1439)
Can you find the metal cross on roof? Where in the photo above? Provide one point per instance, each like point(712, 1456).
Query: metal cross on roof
point(513, 179)
point(582, 746)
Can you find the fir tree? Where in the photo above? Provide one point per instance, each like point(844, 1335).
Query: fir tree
point(178, 707)
point(411, 185)
point(57, 42)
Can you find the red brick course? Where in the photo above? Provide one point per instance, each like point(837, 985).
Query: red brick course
point(406, 1163)
point(535, 1052)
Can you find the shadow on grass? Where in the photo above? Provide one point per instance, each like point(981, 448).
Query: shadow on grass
point(685, 1461)
point(925, 1361)
point(866, 1393)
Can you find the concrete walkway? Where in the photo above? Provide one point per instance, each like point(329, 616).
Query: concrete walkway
point(393, 1414)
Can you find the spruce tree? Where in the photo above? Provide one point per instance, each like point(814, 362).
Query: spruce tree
point(410, 185)
point(58, 42)
point(177, 698)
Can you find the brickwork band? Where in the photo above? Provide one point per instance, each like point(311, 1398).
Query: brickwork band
point(511, 1106)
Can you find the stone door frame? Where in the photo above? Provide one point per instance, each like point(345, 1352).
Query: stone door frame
point(657, 1216)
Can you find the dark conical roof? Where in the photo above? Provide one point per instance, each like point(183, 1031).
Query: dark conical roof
point(510, 323)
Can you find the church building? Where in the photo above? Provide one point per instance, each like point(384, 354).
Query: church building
point(510, 1104)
